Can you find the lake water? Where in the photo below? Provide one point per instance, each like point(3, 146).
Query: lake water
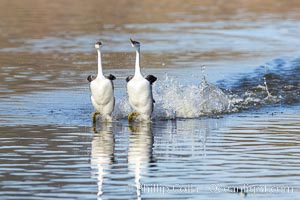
point(194, 148)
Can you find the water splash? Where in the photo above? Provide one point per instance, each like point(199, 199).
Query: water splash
point(189, 101)
point(266, 87)
point(204, 81)
point(173, 100)
point(270, 98)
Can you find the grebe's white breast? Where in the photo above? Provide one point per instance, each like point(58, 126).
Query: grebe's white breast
point(140, 95)
point(103, 95)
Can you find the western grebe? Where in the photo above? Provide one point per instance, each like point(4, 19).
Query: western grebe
point(102, 89)
point(139, 90)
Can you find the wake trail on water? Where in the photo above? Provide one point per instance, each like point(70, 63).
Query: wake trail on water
point(175, 100)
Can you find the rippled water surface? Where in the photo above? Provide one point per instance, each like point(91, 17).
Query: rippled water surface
point(234, 139)
point(195, 158)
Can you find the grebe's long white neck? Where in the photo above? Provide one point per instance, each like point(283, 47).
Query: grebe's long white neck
point(100, 71)
point(137, 63)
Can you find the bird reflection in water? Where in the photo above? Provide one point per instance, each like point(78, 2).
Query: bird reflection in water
point(140, 152)
point(102, 154)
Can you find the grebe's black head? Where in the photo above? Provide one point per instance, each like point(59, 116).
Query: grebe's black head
point(98, 45)
point(135, 44)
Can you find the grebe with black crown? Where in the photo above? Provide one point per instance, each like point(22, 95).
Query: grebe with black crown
point(102, 90)
point(139, 90)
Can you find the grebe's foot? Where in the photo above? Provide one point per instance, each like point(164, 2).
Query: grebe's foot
point(131, 127)
point(95, 128)
point(94, 116)
point(131, 115)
